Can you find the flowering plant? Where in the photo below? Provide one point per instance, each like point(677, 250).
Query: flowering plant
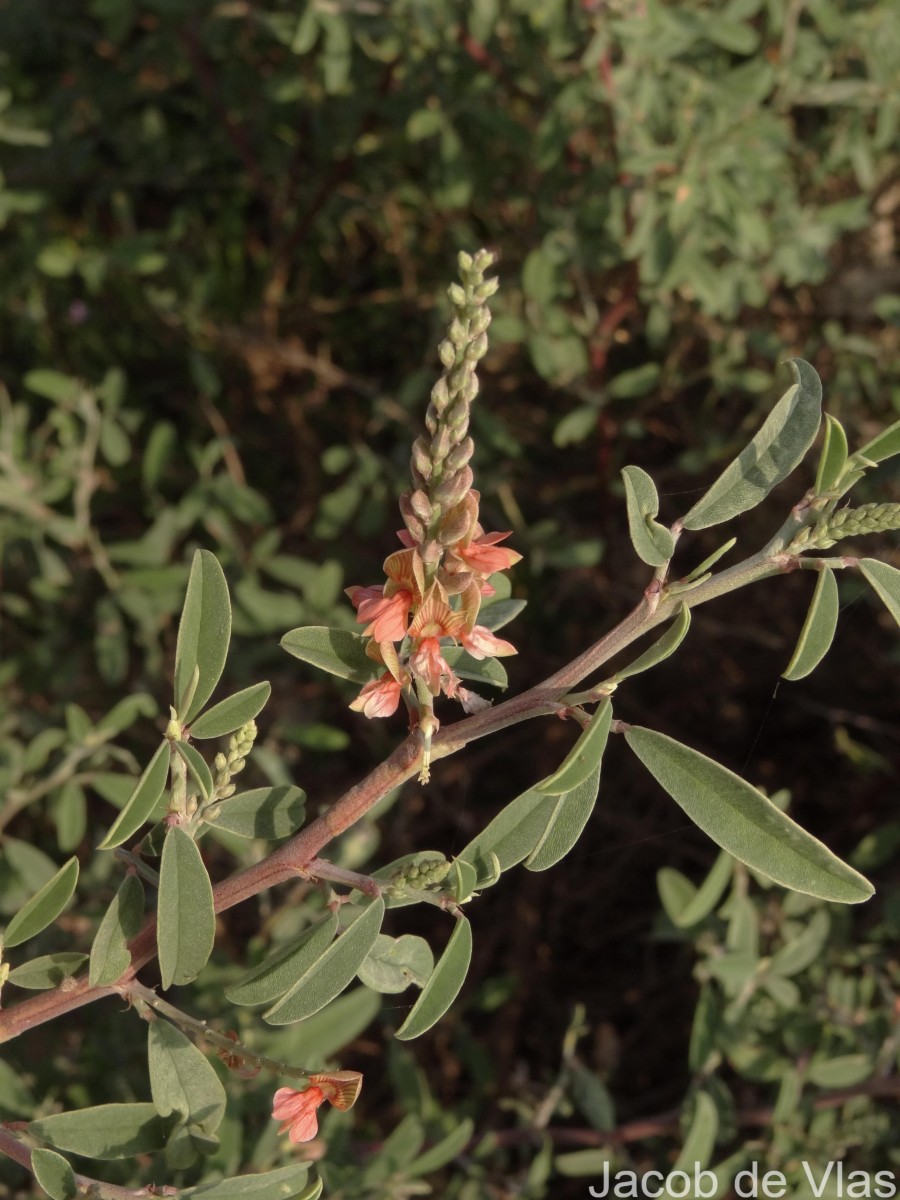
point(427, 631)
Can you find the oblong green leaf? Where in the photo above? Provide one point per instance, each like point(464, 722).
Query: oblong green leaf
point(477, 670)
point(280, 970)
point(142, 801)
point(676, 892)
point(652, 542)
point(701, 1137)
point(565, 824)
point(494, 616)
point(786, 435)
point(186, 919)
point(330, 974)
point(269, 812)
point(708, 894)
point(197, 767)
point(44, 906)
point(47, 971)
point(511, 835)
point(394, 964)
point(833, 458)
point(584, 757)
point(884, 445)
point(182, 1080)
point(711, 561)
point(110, 957)
point(803, 950)
point(818, 629)
point(885, 581)
point(443, 987)
point(845, 1070)
point(442, 1152)
point(744, 822)
point(661, 648)
point(204, 633)
point(54, 1174)
point(283, 1184)
point(333, 650)
point(105, 1131)
point(231, 713)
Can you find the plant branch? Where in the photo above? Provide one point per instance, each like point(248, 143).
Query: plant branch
point(297, 855)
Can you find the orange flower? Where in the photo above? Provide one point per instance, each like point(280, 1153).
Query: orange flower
point(379, 697)
point(483, 556)
point(297, 1110)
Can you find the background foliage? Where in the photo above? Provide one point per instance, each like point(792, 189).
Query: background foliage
point(227, 229)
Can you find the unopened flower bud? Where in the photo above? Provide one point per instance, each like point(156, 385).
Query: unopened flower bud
point(457, 294)
point(452, 490)
point(421, 506)
point(220, 762)
point(228, 790)
point(477, 348)
point(484, 291)
point(440, 393)
point(460, 455)
point(458, 335)
point(454, 528)
point(465, 262)
point(410, 520)
point(421, 458)
point(447, 353)
point(440, 444)
point(470, 388)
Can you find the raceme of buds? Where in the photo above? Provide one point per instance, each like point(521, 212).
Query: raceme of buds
point(847, 522)
point(233, 762)
point(434, 586)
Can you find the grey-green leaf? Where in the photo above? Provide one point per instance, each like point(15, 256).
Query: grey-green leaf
point(197, 767)
point(584, 757)
point(182, 1080)
point(122, 920)
point(232, 712)
point(708, 894)
point(884, 445)
point(566, 823)
point(47, 971)
point(269, 812)
point(653, 543)
point(142, 801)
point(477, 670)
point(285, 1183)
point(778, 447)
point(710, 561)
point(885, 581)
point(186, 919)
point(105, 1131)
point(394, 964)
point(280, 970)
point(44, 906)
point(204, 633)
point(443, 987)
point(818, 629)
point(333, 650)
point(846, 1070)
point(744, 822)
point(833, 458)
point(511, 835)
point(54, 1174)
point(333, 971)
point(803, 950)
point(662, 648)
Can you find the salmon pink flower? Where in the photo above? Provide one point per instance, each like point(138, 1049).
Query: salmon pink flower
point(379, 697)
point(297, 1112)
point(481, 643)
point(483, 555)
point(388, 616)
point(297, 1109)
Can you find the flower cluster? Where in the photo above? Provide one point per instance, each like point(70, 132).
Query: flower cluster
point(297, 1109)
point(435, 585)
point(847, 522)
